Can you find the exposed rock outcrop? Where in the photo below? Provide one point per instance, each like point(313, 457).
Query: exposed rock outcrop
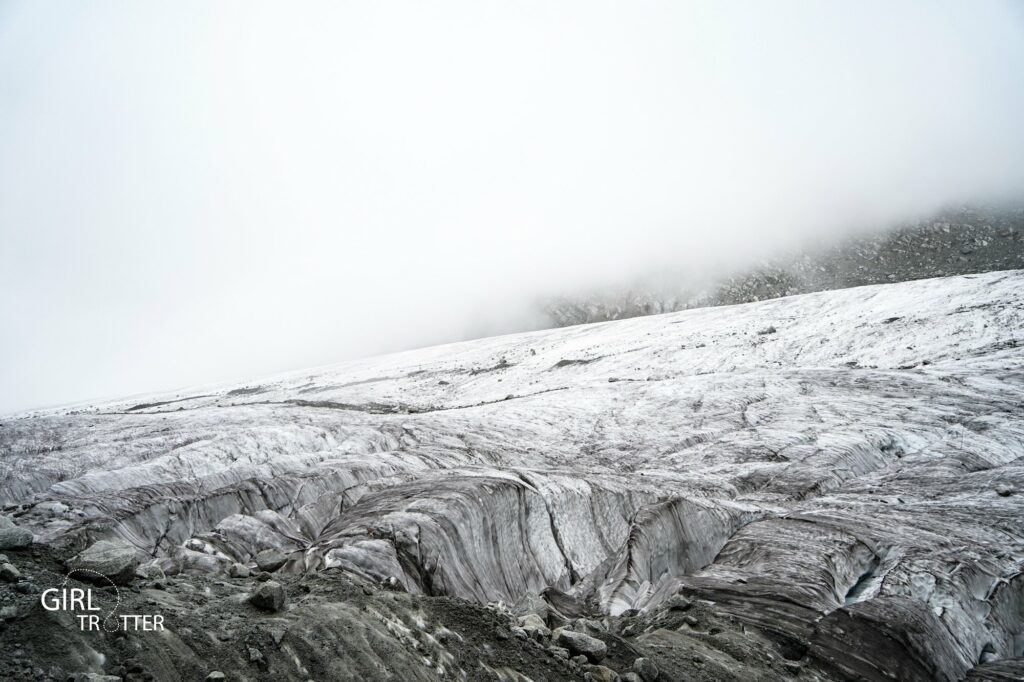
point(956, 241)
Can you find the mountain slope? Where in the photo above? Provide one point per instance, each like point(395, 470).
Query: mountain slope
point(954, 242)
point(833, 477)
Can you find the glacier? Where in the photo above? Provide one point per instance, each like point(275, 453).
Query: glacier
point(839, 472)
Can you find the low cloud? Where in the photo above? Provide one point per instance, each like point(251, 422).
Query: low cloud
point(193, 193)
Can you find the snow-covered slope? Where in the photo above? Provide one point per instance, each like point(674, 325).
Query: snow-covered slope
point(843, 469)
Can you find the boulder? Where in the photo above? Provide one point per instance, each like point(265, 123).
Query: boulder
point(256, 656)
point(270, 560)
point(581, 644)
point(588, 626)
point(215, 675)
point(531, 603)
point(599, 673)
point(14, 538)
point(151, 571)
point(268, 596)
point(6, 522)
point(115, 560)
point(531, 620)
point(238, 571)
point(646, 669)
point(9, 574)
point(534, 626)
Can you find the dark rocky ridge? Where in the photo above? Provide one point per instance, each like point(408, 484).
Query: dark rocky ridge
point(955, 242)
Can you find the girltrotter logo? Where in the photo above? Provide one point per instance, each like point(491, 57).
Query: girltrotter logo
point(96, 609)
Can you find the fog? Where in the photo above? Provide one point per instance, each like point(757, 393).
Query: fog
point(195, 192)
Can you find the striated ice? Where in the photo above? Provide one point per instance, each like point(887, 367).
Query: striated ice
point(847, 480)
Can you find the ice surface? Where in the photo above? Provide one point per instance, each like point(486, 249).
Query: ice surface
point(835, 465)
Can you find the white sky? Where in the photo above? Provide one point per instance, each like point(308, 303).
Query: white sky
point(194, 192)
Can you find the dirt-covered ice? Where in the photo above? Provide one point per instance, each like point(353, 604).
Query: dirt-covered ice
point(827, 486)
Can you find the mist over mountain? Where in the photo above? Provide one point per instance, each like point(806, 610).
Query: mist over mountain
point(953, 242)
point(195, 192)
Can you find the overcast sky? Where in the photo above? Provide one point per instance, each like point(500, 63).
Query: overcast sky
point(195, 192)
